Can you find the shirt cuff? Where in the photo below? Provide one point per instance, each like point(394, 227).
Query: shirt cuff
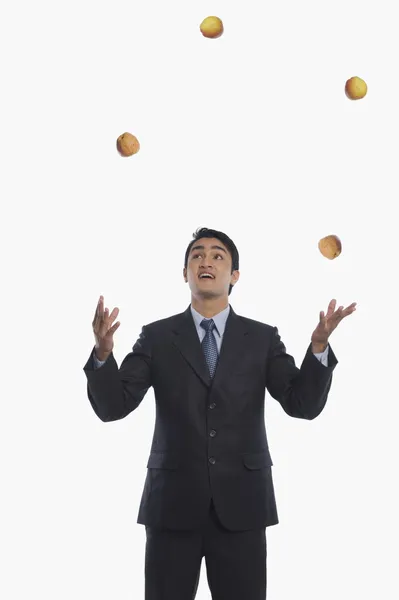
point(97, 363)
point(322, 356)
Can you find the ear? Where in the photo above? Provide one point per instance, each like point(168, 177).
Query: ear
point(185, 274)
point(235, 277)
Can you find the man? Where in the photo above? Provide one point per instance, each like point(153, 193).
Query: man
point(209, 488)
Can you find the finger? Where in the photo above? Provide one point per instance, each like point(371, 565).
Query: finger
point(114, 328)
point(104, 315)
point(331, 307)
point(323, 320)
point(339, 314)
point(101, 322)
point(113, 316)
point(99, 309)
point(349, 309)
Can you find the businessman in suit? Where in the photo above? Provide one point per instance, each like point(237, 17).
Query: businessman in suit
point(209, 488)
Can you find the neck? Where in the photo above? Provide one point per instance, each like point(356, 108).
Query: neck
point(209, 307)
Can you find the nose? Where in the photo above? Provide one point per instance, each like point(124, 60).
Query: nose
point(205, 264)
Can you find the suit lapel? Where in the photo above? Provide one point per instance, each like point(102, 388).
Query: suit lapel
point(234, 343)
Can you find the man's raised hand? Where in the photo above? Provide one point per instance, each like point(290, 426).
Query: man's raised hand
point(104, 330)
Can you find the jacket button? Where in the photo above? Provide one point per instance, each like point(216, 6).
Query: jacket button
point(212, 460)
point(212, 433)
point(212, 405)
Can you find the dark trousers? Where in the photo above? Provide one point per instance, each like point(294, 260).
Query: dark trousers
point(235, 562)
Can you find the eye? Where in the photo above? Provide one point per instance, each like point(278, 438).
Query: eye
point(218, 254)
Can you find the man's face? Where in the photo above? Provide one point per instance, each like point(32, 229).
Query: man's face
point(209, 255)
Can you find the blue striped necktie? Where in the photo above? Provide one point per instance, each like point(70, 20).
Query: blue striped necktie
point(209, 345)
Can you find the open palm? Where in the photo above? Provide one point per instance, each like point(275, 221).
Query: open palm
point(328, 322)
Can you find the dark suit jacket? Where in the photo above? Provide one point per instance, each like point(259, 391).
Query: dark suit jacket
point(210, 438)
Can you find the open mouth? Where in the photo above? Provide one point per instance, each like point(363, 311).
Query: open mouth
point(206, 276)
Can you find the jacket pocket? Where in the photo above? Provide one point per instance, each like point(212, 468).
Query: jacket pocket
point(162, 460)
point(258, 460)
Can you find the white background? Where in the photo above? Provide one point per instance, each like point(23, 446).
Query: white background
point(251, 134)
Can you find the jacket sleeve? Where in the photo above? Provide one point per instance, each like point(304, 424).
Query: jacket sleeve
point(301, 392)
point(114, 393)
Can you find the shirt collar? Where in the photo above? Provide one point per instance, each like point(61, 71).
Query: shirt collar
point(219, 319)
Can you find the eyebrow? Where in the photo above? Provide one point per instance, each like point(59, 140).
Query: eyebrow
point(200, 247)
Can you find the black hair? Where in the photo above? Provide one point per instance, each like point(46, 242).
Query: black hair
point(204, 232)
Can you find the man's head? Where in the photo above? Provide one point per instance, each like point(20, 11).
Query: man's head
point(211, 252)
